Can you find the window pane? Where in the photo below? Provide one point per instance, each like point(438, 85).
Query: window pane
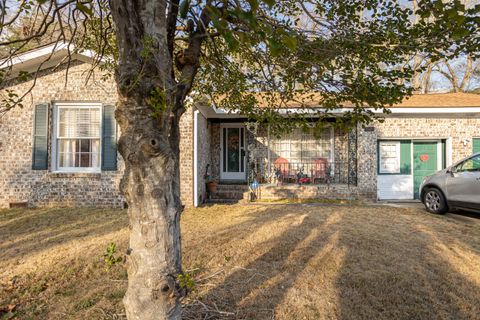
point(85, 160)
point(85, 145)
point(78, 153)
point(79, 137)
point(471, 165)
point(303, 147)
point(95, 162)
point(233, 149)
point(389, 157)
point(79, 122)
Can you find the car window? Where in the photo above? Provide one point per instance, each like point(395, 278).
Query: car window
point(472, 164)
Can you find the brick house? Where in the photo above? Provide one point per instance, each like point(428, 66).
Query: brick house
point(60, 150)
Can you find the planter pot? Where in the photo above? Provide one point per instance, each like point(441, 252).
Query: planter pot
point(212, 187)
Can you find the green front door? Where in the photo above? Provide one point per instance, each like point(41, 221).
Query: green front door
point(424, 163)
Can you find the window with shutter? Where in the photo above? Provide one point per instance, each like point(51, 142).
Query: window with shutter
point(40, 138)
point(78, 137)
point(109, 139)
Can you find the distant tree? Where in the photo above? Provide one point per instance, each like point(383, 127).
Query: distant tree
point(337, 52)
point(459, 73)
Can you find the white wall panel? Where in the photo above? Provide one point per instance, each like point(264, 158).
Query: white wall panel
point(395, 187)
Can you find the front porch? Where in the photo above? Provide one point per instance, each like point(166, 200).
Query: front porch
point(245, 158)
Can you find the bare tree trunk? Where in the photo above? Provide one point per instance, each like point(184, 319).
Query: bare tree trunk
point(151, 102)
point(417, 59)
point(467, 75)
point(148, 113)
point(427, 77)
point(452, 77)
point(151, 188)
point(417, 74)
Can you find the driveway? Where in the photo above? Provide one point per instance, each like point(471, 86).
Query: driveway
point(461, 215)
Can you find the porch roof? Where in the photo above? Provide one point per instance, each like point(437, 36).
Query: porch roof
point(437, 103)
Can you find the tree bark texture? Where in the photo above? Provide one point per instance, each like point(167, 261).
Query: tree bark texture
point(149, 146)
point(151, 102)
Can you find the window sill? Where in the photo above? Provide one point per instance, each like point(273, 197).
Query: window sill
point(87, 175)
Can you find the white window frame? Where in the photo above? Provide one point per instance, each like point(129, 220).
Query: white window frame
point(288, 141)
point(55, 133)
point(381, 169)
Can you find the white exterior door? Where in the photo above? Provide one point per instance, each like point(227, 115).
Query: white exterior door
point(232, 152)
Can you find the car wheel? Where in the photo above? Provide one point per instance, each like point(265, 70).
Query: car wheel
point(435, 201)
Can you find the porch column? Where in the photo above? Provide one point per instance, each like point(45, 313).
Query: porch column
point(352, 156)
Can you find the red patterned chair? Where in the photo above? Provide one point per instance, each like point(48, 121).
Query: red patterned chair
point(319, 170)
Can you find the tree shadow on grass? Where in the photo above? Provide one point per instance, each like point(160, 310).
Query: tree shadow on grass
point(413, 273)
point(26, 232)
point(253, 291)
point(350, 263)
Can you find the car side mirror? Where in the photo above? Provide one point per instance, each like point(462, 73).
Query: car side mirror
point(452, 170)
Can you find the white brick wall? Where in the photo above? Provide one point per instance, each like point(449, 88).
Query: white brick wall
point(19, 183)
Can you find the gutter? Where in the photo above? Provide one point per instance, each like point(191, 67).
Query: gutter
point(195, 158)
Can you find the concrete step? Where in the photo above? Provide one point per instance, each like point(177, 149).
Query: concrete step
point(235, 195)
point(222, 201)
point(232, 187)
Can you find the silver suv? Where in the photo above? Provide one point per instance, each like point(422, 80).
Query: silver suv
point(457, 187)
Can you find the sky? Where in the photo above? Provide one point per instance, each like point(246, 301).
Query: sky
point(438, 81)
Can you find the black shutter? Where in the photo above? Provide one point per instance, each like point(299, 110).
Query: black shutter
point(40, 138)
point(109, 139)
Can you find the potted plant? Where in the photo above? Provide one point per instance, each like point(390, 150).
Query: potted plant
point(211, 184)
point(210, 181)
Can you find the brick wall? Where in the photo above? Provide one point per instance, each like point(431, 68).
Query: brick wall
point(461, 128)
point(215, 150)
point(366, 164)
point(186, 157)
point(19, 183)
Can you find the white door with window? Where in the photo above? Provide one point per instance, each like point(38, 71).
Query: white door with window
point(232, 152)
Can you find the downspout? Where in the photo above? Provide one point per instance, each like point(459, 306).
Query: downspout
point(195, 158)
point(269, 152)
point(449, 151)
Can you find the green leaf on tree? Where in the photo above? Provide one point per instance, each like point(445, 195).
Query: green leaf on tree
point(231, 41)
point(253, 4)
point(184, 8)
point(290, 41)
point(270, 3)
point(275, 47)
point(85, 9)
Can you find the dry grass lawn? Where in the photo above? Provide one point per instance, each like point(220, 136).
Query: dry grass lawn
point(302, 261)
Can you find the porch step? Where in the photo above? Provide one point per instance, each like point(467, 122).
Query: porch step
point(229, 192)
point(232, 187)
point(222, 201)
